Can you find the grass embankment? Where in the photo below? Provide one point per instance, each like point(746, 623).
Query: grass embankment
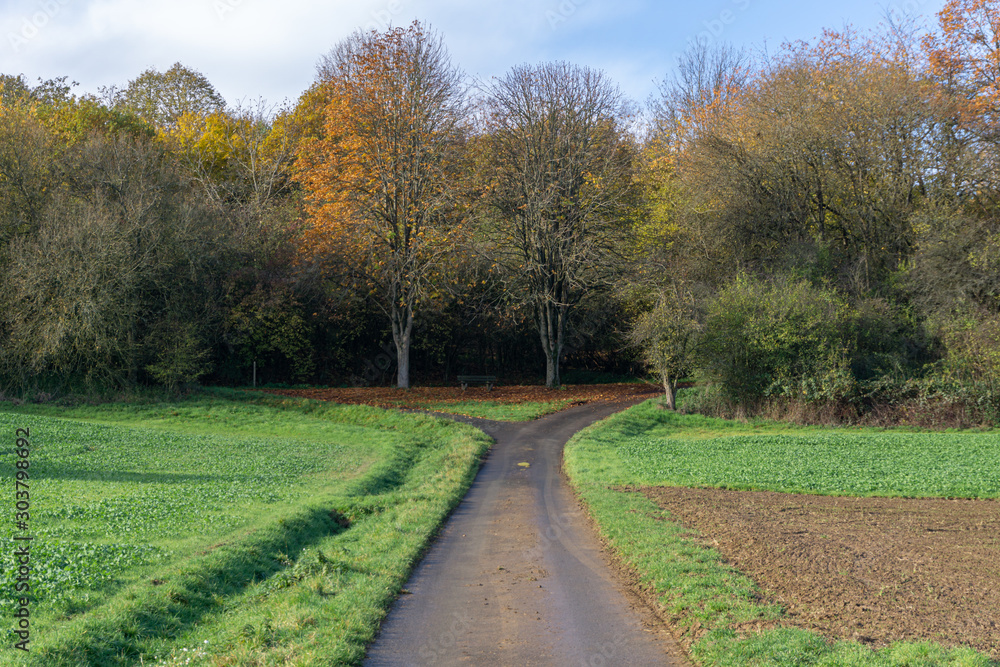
point(226, 528)
point(507, 412)
point(705, 598)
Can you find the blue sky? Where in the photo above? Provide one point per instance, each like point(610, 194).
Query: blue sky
point(261, 48)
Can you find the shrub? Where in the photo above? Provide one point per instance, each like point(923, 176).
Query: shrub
point(782, 339)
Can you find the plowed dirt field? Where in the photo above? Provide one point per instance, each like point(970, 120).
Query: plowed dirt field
point(875, 570)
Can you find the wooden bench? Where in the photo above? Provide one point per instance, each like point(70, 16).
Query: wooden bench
point(488, 380)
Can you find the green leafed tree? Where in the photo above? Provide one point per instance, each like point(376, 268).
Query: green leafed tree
point(161, 98)
point(667, 335)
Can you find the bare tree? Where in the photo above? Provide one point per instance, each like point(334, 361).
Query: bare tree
point(706, 79)
point(559, 162)
point(337, 61)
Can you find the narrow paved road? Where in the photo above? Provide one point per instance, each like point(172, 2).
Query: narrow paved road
point(517, 576)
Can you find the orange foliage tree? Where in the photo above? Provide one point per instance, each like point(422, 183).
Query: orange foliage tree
point(382, 173)
point(965, 58)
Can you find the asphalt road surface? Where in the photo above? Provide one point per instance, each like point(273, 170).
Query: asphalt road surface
point(517, 575)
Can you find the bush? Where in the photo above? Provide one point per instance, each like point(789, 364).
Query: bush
point(181, 356)
point(972, 349)
point(780, 339)
point(967, 374)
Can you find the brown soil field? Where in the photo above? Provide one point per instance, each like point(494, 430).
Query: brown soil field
point(875, 570)
point(420, 397)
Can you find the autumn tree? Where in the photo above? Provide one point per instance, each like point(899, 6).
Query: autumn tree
point(118, 269)
point(559, 161)
point(965, 59)
point(27, 150)
point(382, 178)
point(691, 104)
point(13, 89)
point(115, 285)
point(963, 64)
point(242, 158)
point(706, 79)
point(31, 120)
point(161, 98)
point(818, 165)
point(667, 336)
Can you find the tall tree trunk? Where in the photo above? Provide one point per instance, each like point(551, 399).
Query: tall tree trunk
point(551, 327)
point(551, 369)
point(402, 327)
point(670, 391)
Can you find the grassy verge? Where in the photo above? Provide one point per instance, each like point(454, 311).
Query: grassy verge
point(523, 410)
point(703, 597)
point(226, 528)
point(511, 412)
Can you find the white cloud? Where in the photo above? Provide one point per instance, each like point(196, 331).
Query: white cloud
point(252, 48)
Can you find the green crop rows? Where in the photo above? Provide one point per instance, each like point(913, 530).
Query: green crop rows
point(876, 464)
point(108, 498)
point(693, 451)
point(224, 522)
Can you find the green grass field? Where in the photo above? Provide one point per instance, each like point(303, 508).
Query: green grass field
point(649, 446)
point(224, 529)
point(661, 448)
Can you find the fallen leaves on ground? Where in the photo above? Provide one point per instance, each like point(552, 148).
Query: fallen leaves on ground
point(420, 397)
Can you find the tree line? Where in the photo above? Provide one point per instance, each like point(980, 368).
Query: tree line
point(812, 228)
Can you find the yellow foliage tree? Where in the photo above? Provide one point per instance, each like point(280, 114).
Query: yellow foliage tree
point(242, 157)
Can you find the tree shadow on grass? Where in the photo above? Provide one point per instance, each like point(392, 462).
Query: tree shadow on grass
point(172, 605)
point(57, 471)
